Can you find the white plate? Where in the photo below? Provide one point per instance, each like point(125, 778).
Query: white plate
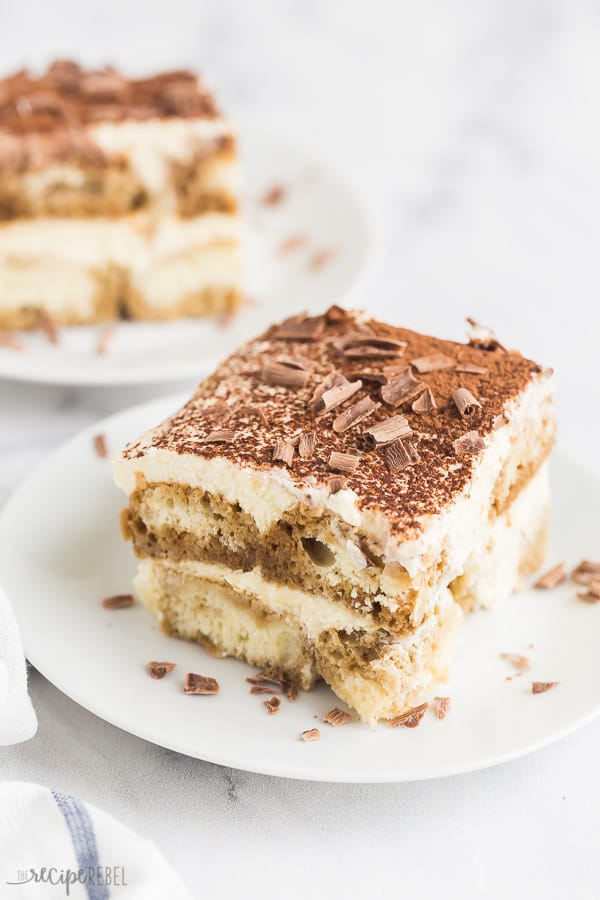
point(318, 205)
point(61, 552)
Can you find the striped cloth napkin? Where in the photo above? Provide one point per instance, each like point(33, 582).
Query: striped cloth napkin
point(54, 846)
point(17, 718)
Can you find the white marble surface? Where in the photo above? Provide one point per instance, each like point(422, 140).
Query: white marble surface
point(475, 127)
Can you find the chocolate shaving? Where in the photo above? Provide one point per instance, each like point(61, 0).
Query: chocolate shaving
point(307, 444)
point(389, 430)
point(521, 663)
point(283, 452)
point(369, 377)
point(592, 595)
point(435, 362)
point(401, 388)
point(466, 403)
point(343, 462)
point(552, 578)
point(118, 601)
point(105, 336)
point(292, 244)
point(201, 685)
point(354, 414)
point(470, 369)
point(321, 258)
point(291, 692)
point(220, 436)
point(399, 455)
point(336, 717)
point(300, 328)
point(332, 379)
point(499, 421)
point(379, 348)
point(411, 718)
point(284, 376)
point(264, 681)
point(313, 734)
point(335, 396)
point(11, 342)
point(252, 411)
point(100, 447)
point(40, 102)
point(370, 351)
point(274, 195)
point(336, 483)
point(297, 362)
point(273, 705)
point(337, 313)
point(107, 85)
point(65, 73)
point(482, 337)
point(45, 324)
point(425, 403)
point(350, 337)
point(269, 676)
point(56, 106)
point(159, 669)
point(586, 571)
point(540, 687)
point(469, 443)
point(441, 705)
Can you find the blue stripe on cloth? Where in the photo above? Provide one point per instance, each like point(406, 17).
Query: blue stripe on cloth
point(82, 834)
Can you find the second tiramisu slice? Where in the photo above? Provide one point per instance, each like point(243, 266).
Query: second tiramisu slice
point(118, 197)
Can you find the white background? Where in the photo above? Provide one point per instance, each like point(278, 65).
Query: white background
point(475, 129)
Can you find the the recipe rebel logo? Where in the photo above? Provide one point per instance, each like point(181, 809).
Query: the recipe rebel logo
point(97, 880)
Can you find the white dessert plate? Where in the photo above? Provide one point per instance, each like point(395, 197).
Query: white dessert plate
point(330, 262)
point(61, 552)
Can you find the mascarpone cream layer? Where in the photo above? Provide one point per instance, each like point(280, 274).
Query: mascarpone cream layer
point(60, 287)
point(151, 147)
point(316, 614)
point(492, 569)
point(170, 279)
point(266, 495)
point(53, 262)
point(131, 241)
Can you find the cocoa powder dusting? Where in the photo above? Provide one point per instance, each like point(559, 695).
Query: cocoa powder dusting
point(404, 495)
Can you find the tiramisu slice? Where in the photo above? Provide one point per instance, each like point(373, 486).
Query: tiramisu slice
point(335, 493)
point(117, 197)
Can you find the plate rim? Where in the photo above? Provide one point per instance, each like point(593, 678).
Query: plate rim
point(275, 768)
